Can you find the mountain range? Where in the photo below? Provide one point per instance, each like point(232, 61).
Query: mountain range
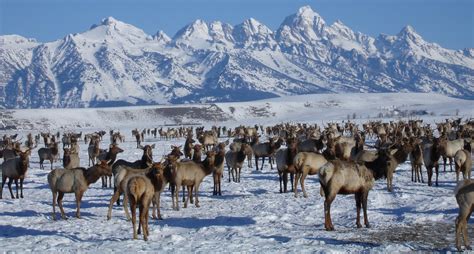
point(117, 64)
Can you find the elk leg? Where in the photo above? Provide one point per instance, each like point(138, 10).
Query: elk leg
point(111, 203)
point(191, 197)
point(303, 177)
point(437, 173)
point(220, 191)
point(263, 162)
point(78, 203)
point(54, 205)
point(429, 171)
point(358, 199)
point(187, 199)
point(21, 187)
point(458, 232)
point(16, 188)
point(364, 206)
point(280, 178)
point(184, 193)
point(176, 197)
point(125, 203)
point(421, 173)
point(297, 176)
point(444, 160)
point(60, 204)
point(10, 181)
point(327, 211)
point(256, 162)
point(145, 225)
point(157, 201)
point(133, 209)
point(196, 190)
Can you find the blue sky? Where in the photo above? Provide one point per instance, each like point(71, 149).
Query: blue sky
point(449, 23)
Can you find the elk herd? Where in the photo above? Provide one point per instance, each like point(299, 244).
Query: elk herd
point(347, 158)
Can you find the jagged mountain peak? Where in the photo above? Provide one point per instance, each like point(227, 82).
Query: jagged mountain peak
point(115, 63)
point(161, 36)
point(305, 26)
point(408, 32)
point(111, 29)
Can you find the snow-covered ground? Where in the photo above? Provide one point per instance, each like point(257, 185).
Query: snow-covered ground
point(251, 216)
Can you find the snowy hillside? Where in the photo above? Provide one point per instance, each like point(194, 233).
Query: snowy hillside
point(251, 216)
point(114, 63)
point(315, 108)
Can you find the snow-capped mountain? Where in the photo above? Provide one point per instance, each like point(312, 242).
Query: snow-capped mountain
point(114, 63)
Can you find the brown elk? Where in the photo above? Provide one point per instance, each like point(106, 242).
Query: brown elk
point(219, 168)
point(234, 161)
point(448, 149)
point(464, 194)
point(143, 163)
point(50, 153)
point(188, 147)
point(110, 156)
point(15, 169)
point(416, 159)
point(75, 180)
point(431, 155)
point(306, 164)
point(463, 162)
point(190, 174)
point(267, 149)
point(342, 177)
point(285, 165)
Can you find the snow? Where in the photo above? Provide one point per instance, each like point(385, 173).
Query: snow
point(251, 216)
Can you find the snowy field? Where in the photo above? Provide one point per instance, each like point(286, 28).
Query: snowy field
point(251, 216)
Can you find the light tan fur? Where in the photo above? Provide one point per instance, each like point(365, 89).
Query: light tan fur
point(76, 180)
point(464, 193)
point(306, 164)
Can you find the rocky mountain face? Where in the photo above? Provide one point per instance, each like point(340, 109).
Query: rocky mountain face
point(114, 64)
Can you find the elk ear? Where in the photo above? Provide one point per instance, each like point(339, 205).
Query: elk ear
point(172, 147)
point(153, 146)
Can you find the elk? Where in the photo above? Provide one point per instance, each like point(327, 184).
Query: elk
point(285, 165)
point(464, 194)
point(416, 159)
point(267, 149)
point(234, 161)
point(50, 153)
point(306, 164)
point(188, 147)
point(75, 180)
point(235, 146)
point(347, 177)
point(311, 145)
point(110, 156)
point(155, 173)
point(448, 149)
point(431, 157)
point(93, 150)
point(190, 174)
point(140, 191)
point(144, 162)
point(208, 140)
point(463, 162)
point(15, 169)
point(219, 168)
